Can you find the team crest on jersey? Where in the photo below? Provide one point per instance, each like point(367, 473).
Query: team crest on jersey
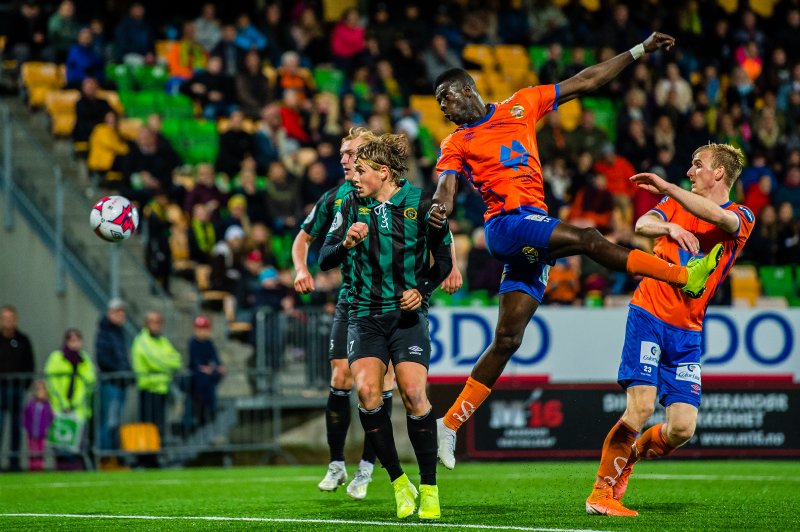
point(517, 111)
point(410, 213)
point(363, 210)
point(531, 253)
point(337, 221)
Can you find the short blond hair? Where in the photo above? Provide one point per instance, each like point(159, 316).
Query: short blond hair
point(730, 158)
point(360, 131)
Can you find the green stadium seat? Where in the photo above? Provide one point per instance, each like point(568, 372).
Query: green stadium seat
point(176, 106)
point(441, 298)
point(329, 79)
point(150, 77)
point(538, 55)
point(777, 281)
point(120, 76)
point(428, 144)
point(605, 113)
point(477, 298)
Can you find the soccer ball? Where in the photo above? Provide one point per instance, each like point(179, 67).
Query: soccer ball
point(114, 218)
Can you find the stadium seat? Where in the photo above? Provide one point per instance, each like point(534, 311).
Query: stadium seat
point(60, 106)
point(570, 114)
point(745, 286)
point(129, 128)
point(605, 114)
point(777, 281)
point(150, 77)
point(40, 79)
point(121, 76)
point(112, 97)
point(139, 438)
point(538, 56)
point(162, 49)
point(481, 54)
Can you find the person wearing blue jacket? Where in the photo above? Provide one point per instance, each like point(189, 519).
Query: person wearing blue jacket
point(83, 62)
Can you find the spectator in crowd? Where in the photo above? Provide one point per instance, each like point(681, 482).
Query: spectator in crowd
point(207, 27)
point(153, 165)
point(291, 76)
point(593, 205)
point(282, 197)
point(309, 37)
point(277, 32)
point(552, 138)
point(83, 61)
point(135, 38)
point(587, 137)
point(253, 89)
point(212, 89)
point(235, 214)
point(636, 145)
point(439, 58)
point(577, 62)
point(759, 194)
point(114, 367)
point(227, 49)
point(675, 84)
point(71, 382)
point(256, 199)
point(789, 191)
point(62, 30)
point(157, 254)
point(205, 191)
point(294, 116)
point(762, 246)
point(618, 31)
point(788, 235)
point(186, 56)
point(16, 365)
point(27, 32)
point(37, 418)
point(247, 36)
point(271, 139)
point(617, 171)
point(154, 361)
point(563, 285)
point(202, 235)
point(106, 151)
point(227, 261)
point(206, 372)
point(89, 112)
point(235, 144)
point(550, 72)
point(483, 270)
point(347, 39)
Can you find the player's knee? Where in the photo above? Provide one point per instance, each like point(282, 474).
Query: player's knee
point(341, 378)
point(369, 395)
point(506, 342)
point(414, 398)
point(640, 412)
point(679, 433)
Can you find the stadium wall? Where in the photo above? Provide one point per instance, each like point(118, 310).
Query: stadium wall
point(28, 282)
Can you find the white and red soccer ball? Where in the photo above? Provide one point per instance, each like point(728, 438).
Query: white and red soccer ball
point(114, 218)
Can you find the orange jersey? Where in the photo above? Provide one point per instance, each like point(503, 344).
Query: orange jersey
point(668, 303)
point(499, 153)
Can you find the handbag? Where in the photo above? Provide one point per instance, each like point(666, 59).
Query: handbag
point(66, 432)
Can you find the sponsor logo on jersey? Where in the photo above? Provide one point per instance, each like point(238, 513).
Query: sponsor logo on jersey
point(337, 221)
point(363, 210)
point(649, 353)
point(337, 202)
point(537, 218)
point(747, 213)
point(410, 213)
point(514, 156)
point(531, 253)
point(415, 350)
point(517, 111)
point(688, 372)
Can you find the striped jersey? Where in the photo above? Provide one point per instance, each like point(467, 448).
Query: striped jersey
point(668, 303)
point(395, 255)
point(319, 220)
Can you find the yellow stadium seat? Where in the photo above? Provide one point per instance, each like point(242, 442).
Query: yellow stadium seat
point(570, 114)
point(745, 285)
point(129, 128)
point(481, 54)
point(60, 106)
point(162, 49)
point(40, 79)
point(139, 438)
point(112, 98)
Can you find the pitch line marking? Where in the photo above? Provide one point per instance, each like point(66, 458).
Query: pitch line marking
point(308, 478)
point(301, 521)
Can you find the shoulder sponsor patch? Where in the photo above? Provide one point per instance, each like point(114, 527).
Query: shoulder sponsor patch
point(649, 353)
point(310, 215)
point(747, 213)
point(688, 372)
point(337, 221)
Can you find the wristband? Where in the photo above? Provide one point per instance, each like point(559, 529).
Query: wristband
point(637, 51)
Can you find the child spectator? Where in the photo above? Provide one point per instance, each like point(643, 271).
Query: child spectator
point(206, 372)
point(37, 418)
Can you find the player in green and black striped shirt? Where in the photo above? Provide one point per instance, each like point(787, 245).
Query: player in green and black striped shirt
point(383, 230)
point(337, 411)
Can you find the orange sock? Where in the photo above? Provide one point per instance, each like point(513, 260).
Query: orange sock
point(652, 444)
point(470, 398)
point(641, 263)
point(616, 450)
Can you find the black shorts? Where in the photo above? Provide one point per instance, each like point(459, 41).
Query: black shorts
point(338, 344)
point(395, 336)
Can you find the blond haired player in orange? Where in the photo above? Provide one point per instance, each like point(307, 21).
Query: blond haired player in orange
point(661, 355)
point(495, 148)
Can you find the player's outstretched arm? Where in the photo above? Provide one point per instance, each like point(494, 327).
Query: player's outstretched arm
point(303, 281)
point(594, 77)
point(703, 208)
point(443, 199)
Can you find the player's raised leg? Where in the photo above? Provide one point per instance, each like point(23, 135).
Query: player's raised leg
point(516, 311)
point(567, 240)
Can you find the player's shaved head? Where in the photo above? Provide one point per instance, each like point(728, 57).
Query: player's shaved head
point(454, 76)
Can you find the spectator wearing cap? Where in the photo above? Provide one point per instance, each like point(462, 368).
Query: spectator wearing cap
point(114, 368)
point(270, 292)
point(235, 214)
point(206, 372)
point(227, 261)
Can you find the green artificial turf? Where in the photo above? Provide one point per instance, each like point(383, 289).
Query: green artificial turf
point(669, 495)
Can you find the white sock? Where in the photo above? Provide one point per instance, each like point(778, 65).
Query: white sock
point(367, 466)
point(339, 463)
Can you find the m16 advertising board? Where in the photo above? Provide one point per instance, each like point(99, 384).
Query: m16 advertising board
point(558, 396)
